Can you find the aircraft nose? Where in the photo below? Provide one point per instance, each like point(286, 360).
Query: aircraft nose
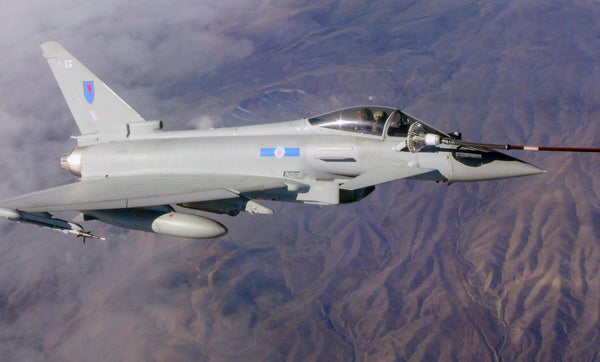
point(476, 165)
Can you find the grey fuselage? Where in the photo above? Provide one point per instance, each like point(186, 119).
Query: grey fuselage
point(132, 172)
point(297, 151)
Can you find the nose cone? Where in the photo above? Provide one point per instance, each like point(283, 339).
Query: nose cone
point(476, 165)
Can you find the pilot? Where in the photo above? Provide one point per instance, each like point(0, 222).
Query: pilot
point(380, 118)
point(365, 119)
point(403, 120)
point(399, 125)
point(365, 114)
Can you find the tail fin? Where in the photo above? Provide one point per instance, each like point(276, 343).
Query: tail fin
point(99, 112)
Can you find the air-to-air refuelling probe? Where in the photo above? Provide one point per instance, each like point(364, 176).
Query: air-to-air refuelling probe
point(131, 172)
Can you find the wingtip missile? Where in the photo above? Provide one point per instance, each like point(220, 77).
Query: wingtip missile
point(47, 221)
point(10, 214)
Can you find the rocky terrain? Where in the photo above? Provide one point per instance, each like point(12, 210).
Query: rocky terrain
point(503, 270)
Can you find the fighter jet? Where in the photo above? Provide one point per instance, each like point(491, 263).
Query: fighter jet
point(132, 173)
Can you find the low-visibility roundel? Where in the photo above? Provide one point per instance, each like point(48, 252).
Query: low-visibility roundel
point(88, 91)
point(279, 152)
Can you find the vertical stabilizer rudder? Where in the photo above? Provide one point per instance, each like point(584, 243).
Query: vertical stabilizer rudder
point(101, 115)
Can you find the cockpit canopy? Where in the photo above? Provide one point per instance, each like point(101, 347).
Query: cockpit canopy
point(368, 120)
